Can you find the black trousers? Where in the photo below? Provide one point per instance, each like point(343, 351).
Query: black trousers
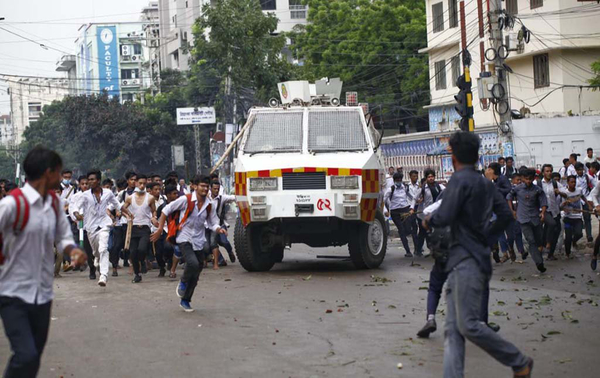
point(552, 230)
point(164, 252)
point(26, 326)
point(87, 247)
point(194, 262)
point(118, 244)
point(140, 239)
point(404, 226)
point(573, 232)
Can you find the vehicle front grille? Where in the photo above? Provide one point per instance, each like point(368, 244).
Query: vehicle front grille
point(305, 180)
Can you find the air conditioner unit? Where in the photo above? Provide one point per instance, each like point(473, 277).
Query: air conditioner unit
point(136, 58)
point(124, 82)
point(126, 50)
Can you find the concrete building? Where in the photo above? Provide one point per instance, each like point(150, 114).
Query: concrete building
point(548, 78)
point(27, 99)
point(6, 131)
point(67, 63)
point(177, 18)
point(114, 57)
point(150, 18)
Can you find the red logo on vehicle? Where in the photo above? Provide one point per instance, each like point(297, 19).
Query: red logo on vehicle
point(323, 204)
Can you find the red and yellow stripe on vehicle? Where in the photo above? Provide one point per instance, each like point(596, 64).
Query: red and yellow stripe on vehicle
point(370, 187)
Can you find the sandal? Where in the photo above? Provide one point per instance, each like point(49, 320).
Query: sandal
point(172, 275)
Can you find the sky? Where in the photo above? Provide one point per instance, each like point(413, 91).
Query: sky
point(55, 24)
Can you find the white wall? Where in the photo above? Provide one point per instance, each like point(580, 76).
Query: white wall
point(539, 141)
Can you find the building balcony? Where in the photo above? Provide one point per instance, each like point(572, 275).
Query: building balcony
point(66, 63)
point(131, 83)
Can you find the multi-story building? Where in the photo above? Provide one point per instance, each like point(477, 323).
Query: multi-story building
point(547, 77)
point(114, 58)
point(150, 18)
point(27, 99)
point(67, 64)
point(6, 131)
point(177, 18)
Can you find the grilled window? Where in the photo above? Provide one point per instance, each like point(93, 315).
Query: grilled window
point(440, 75)
point(438, 17)
point(536, 3)
point(455, 69)
point(304, 181)
point(275, 132)
point(339, 130)
point(512, 6)
point(541, 71)
point(268, 4)
point(452, 14)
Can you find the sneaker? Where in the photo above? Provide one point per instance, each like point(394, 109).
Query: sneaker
point(430, 327)
point(162, 272)
point(102, 280)
point(92, 276)
point(541, 268)
point(408, 254)
point(137, 279)
point(494, 327)
point(594, 264)
point(232, 256)
point(185, 305)
point(181, 288)
point(524, 255)
point(115, 273)
point(525, 372)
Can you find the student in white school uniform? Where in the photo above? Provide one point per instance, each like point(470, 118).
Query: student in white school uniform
point(94, 204)
point(27, 259)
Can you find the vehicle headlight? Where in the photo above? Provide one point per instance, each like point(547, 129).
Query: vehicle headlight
point(263, 183)
point(344, 182)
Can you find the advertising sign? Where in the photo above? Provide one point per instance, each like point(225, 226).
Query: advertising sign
point(108, 60)
point(196, 116)
point(178, 156)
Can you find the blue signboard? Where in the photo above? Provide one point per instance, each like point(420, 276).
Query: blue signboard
point(108, 60)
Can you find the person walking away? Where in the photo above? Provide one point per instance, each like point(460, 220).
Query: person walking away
point(143, 208)
point(573, 208)
point(492, 172)
point(467, 207)
point(400, 203)
point(27, 259)
point(530, 199)
point(552, 223)
point(195, 210)
point(94, 203)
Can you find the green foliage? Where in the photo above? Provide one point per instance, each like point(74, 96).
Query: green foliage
point(595, 81)
point(373, 47)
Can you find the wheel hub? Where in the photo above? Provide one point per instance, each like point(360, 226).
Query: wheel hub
point(375, 237)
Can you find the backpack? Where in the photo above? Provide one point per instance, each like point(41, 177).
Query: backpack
point(554, 184)
point(22, 217)
point(174, 225)
point(437, 186)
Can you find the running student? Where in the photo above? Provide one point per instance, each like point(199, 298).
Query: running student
point(191, 236)
point(573, 208)
point(398, 199)
point(94, 203)
point(27, 260)
point(216, 240)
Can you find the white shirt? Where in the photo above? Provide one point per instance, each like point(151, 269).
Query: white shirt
point(589, 159)
point(74, 206)
point(595, 195)
point(582, 184)
point(192, 230)
point(389, 182)
point(571, 171)
point(95, 212)
point(400, 198)
point(553, 202)
point(427, 198)
point(415, 190)
point(225, 199)
point(28, 271)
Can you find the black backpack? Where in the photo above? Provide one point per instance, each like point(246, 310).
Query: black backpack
point(437, 187)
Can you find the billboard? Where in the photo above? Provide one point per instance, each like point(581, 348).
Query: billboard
point(108, 60)
point(196, 116)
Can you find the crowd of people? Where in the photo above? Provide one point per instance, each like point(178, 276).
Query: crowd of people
point(551, 208)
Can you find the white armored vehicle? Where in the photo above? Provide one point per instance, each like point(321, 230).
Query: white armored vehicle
point(309, 171)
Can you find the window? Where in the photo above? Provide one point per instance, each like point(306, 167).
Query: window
point(541, 71)
point(186, 4)
point(130, 74)
point(438, 17)
point(440, 75)
point(35, 109)
point(336, 131)
point(175, 20)
point(137, 49)
point(455, 63)
point(271, 132)
point(127, 97)
point(536, 3)
point(297, 10)
point(452, 14)
point(268, 4)
point(512, 6)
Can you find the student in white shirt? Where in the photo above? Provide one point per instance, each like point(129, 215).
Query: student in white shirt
point(220, 201)
point(191, 237)
point(590, 158)
point(95, 203)
point(27, 273)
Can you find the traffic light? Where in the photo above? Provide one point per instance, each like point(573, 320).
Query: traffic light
point(464, 101)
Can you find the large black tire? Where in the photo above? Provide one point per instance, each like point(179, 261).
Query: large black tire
point(368, 244)
point(247, 249)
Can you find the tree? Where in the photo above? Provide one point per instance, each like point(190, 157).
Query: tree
point(236, 56)
point(595, 81)
point(372, 45)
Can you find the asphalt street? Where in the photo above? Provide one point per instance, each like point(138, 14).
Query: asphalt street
point(313, 317)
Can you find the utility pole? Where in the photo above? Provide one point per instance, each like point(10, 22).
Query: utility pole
point(500, 89)
point(198, 148)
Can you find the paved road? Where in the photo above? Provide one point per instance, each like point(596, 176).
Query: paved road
point(276, 324)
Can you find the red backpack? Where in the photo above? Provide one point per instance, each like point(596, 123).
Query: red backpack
point(173, 223)
point(23, 214)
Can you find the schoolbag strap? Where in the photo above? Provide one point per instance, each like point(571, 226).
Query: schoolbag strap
point(22, 215)
point(188, 211)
